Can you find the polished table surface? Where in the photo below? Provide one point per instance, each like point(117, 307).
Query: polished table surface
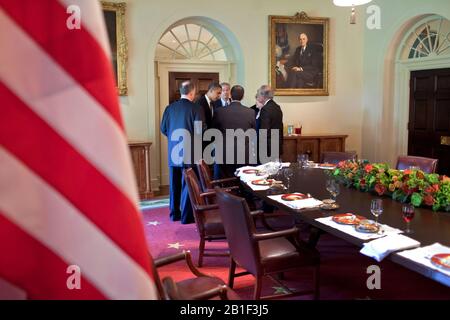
point(429, 227)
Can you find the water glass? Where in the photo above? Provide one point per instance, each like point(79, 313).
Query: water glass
point(376, 207)
point(333, 188)
point(303, 160)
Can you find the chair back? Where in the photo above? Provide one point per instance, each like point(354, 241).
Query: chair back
point(205, 175)
point(194, 191)
point(239, 228)
point(427, 165)
point(336, 157)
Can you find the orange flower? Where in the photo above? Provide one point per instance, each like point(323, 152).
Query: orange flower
point(407, 172)
point(429, 200)
point(368, 168)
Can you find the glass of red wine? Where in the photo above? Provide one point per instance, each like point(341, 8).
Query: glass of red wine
point(408, 212)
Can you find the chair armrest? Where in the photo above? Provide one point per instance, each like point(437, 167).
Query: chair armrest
point(220, 291)
point(206, 207)
point(257, 213)
point(277, 234)
point(186, 255)
point(207, 194)
point(173, 293)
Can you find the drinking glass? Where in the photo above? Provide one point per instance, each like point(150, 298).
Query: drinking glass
point(333, 188)
point(408, 212)
point(376, 207)
point(288, 174)
point(303, 160)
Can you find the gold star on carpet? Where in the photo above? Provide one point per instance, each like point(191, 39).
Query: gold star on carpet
point(176, 245)
point(281, 290)
point(153, 223)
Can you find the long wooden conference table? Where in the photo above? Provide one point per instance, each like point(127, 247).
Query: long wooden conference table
point(429, 227)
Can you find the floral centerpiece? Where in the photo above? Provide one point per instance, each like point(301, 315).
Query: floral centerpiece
point(414, 186)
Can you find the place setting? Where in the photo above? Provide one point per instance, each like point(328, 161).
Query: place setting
point(435, 256)
point(297, 200)
point(359, 226)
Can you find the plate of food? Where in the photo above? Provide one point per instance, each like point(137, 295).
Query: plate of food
point(294, 196)
point(263, 182)
point(348, 219)
point(441, 260)
point(251, 171)
point(367, 226)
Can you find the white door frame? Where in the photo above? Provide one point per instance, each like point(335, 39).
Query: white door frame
point(226, 73)
point(403, 71)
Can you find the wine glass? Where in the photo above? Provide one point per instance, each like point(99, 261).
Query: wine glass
point(303, 160)
point(376, 207)
point(288, 174)
point(333, 188)
point(408, 212)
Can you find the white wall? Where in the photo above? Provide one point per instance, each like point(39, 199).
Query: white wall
point(381, 121)
point(339, 113)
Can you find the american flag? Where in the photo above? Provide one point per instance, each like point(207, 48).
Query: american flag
point(68, 197)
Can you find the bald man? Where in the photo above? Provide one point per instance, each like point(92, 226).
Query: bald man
point(304, 65)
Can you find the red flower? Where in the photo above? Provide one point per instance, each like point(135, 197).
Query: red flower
point(380, 189)
point(436, 187)
point(429, 200)
point(368, 168)
point(407, 172)
point(363, 183)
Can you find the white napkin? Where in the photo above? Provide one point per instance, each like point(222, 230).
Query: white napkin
point(381, 248)
point(298, 204)
point(351, 229)
point(423, 256)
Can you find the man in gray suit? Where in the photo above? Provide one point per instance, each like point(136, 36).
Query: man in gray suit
point(238, 144)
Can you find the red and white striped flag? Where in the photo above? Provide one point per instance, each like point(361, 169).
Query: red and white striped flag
point(68, 200)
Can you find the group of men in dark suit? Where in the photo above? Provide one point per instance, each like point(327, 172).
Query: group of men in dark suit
point(223, 112)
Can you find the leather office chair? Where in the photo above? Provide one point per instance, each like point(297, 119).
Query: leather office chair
point(336, 157)
point(263, 254)
point(201, 287)
point(427, 165)
point(206, 214)
point(207, 182)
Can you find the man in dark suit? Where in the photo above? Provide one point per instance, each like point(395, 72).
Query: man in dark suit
point(179, 126)
point(304, 64)
point(235, 116)
point(225, 97)
point(269, 117)
point(207, 102)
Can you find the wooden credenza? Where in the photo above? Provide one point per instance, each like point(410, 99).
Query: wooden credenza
point(140, 155)
point(313, 145)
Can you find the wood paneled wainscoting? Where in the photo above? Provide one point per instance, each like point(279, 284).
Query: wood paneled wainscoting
point(140, 155)
point(313, 145)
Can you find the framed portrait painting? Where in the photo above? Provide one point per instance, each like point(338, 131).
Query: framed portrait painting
point(114, 14)
point(298, 55)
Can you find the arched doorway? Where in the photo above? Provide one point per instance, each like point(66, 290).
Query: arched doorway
point(193, 46)
point(391, 129)
point(425, 46)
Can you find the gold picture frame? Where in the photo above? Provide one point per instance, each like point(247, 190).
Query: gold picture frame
point(287, 76)
point(114, 14)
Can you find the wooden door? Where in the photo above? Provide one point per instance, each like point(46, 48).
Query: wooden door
point(429, 116)
point(201, 81)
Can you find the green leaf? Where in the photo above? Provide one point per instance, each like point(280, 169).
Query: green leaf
point(416, 199)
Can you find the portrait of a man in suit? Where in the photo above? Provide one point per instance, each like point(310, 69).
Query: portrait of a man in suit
point(299, 55)
point(304, 65)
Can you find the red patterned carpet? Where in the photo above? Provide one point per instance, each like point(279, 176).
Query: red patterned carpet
point(343, 268)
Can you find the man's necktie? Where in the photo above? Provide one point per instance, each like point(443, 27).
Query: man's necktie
point(211, 108)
